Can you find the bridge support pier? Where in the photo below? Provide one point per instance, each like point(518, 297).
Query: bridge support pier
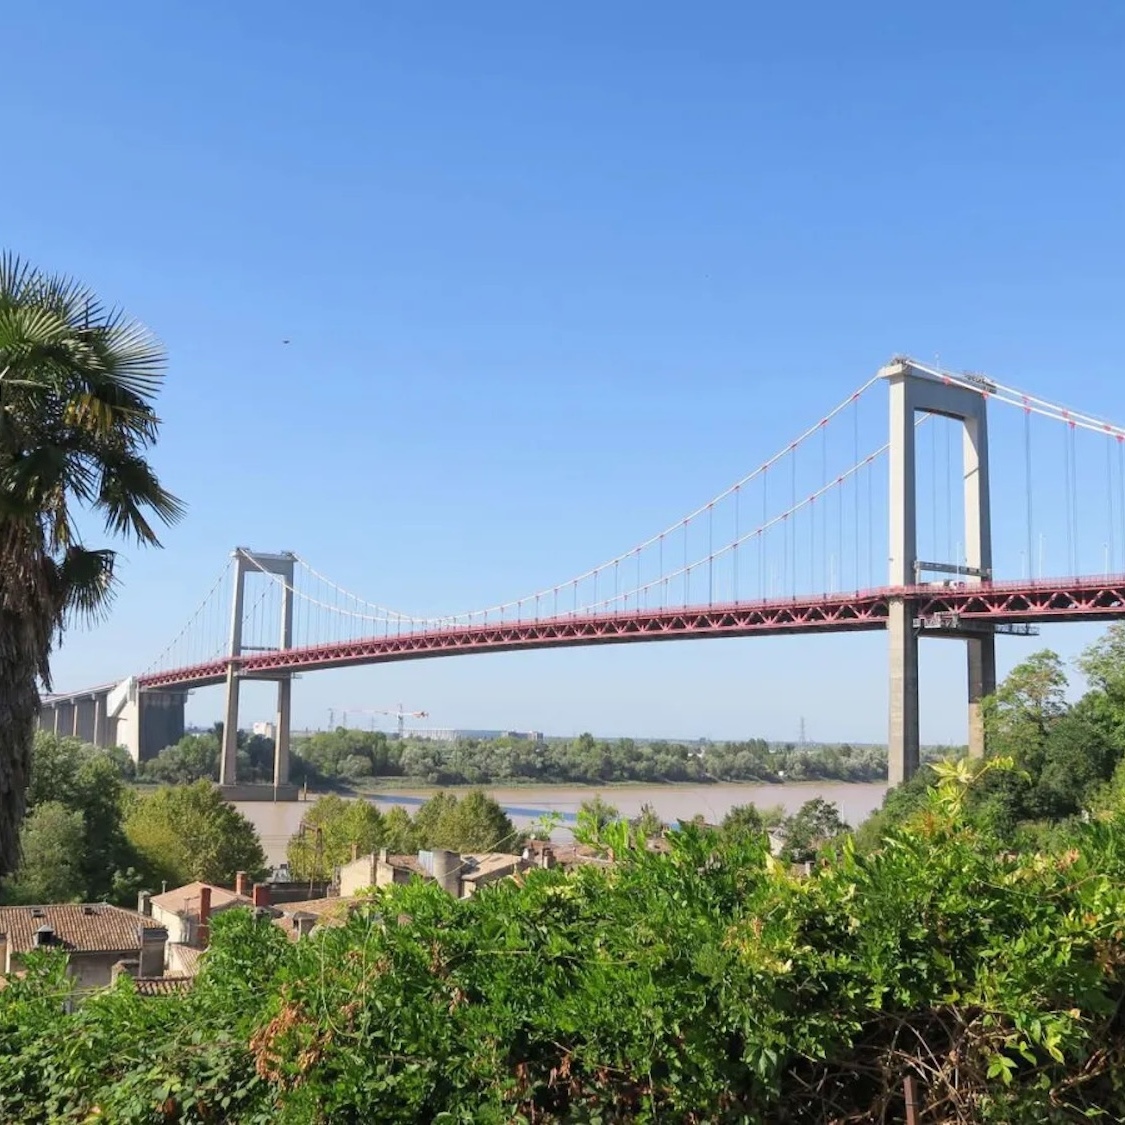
point(982, 683)
point(914, 391)
point(282, 565)
point(904, 741)
point(281, 734)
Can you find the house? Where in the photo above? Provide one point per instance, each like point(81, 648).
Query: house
point(186, 911)
point(100, 941)
point(478, 869)
point(459, 875)
point(299, 919)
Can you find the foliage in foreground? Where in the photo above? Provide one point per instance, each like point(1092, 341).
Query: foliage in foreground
point(706, 984)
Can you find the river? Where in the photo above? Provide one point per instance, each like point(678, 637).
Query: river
point(276, 822)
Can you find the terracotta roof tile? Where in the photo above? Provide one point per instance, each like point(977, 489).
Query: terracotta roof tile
point(78, 927)
point(161, 986)
point(185, 900)
point(187, 956)
point(326, 912)
point(409, 863)
point(336, 907)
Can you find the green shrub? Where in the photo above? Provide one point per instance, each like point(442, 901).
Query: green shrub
point(705, 984)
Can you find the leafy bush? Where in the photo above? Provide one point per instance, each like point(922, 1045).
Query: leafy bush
point(705, 984)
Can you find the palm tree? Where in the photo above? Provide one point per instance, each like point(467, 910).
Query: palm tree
point(77, 381)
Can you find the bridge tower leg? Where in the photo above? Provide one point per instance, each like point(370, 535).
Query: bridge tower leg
point(914, 391)
point(284, 690)
point(282, 565)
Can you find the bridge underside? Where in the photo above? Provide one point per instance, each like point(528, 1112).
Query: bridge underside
point(143, 722)
point(972, 607)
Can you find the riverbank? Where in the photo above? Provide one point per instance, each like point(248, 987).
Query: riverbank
point(369, 786)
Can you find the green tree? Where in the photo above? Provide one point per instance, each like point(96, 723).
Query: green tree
point(900, 805)
point(88, 781)
point(189, 832)
point(1031, 697)
point(544, 827)
point(813, 824)
point(594, 817)
point(331, 833)
point(475, 823)
point(53, 841)
point(400, 834)
point(648, 824)
point(1076, 761)
point(77, 384)
point(194, 757)
point(429, 817)
point(1103, 664)
point(743, 821)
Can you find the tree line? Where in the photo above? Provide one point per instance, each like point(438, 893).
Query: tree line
point(354, 756)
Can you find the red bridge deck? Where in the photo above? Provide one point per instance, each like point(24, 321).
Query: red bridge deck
point(1076, 599)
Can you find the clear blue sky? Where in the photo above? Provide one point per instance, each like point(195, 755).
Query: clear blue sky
point(552, 275)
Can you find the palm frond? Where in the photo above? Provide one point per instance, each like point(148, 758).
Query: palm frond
point(129, 353)
point(129, 487)
point(13, 274)
point(86, 583)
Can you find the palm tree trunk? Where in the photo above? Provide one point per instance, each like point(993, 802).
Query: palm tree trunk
point(19, 712)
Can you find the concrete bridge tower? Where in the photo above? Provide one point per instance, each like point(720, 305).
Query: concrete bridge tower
point(913, 391)
point(281, 565)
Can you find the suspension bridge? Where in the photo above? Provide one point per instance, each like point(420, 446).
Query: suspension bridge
point(880, 515)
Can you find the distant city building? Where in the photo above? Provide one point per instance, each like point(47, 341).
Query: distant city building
point(265, 730)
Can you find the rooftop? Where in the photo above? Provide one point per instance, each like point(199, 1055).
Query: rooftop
point(184, 900)
point(482, 865)
point(187, 956)
point(161, 986)
point(334, 909)
point(409, 863)
point(323, 912)
point(77, 927)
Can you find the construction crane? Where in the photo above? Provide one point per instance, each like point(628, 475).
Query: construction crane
point(398, 711)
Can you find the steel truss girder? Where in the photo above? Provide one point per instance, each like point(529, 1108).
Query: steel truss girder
point(1078, 599)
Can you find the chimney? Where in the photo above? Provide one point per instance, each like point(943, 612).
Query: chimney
point(355, 852)
point(261, 894)
point(447, 871)
point(153, 940)
point(547, 858)
point(144, 903)
point(203, 933)
point(5, 968)
point(382, 855)
point(242, 884)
